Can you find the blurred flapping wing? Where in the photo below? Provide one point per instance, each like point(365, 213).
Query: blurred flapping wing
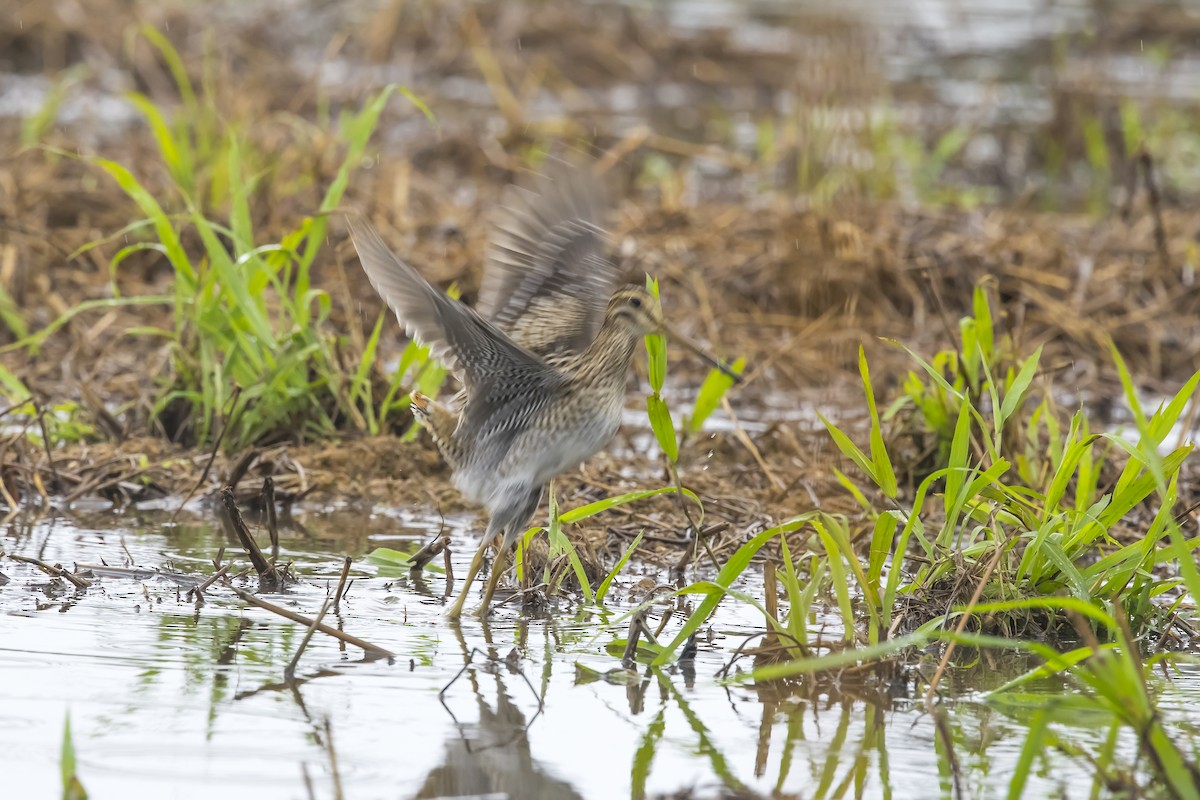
point(546, 280)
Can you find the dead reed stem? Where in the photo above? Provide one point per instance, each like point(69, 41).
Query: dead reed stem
point(53, 569)
point(268, 498)
point(341, 587)
point(212, 456)
point(303, 620)
point(231, 518)
point(962, 623)
point(289, 672)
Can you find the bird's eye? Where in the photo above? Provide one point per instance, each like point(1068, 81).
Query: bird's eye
point(636, 302)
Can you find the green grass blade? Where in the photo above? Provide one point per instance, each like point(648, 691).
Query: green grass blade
point(1035, 743)
point(360, 381)
point(882, 538)
point(850, 449)
point(1088, 610)
point(884, 475)
point(841, 586)
point(175, 153)
point(419, 104)
point(663, 426)
point(162, 223)
point(10, 315)
point(734, 566)
point(960, 447)
point(602, 589)
point(704, 741)
point(643, 757)
point(1020, 385)
point(560, 544)
point(35, 340)
point(592, 509)
point(836, 660)
point(72, 788)
point(656, 348)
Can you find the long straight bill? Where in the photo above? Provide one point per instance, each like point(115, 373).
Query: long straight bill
point(704, 356)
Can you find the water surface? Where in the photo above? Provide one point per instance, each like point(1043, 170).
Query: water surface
point(171, 699)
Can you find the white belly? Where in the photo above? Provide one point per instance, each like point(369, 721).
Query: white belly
point(534, 458)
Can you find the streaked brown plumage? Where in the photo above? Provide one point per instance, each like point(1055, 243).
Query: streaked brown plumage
point(543, 363)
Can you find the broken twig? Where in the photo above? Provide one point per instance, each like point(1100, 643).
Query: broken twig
point(53, 569)
point(303, 620)
point(231, 518)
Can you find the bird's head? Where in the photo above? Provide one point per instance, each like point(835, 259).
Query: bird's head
point(640, 313)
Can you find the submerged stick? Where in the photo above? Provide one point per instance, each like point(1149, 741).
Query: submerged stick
point(53, 569)
point(449, 569)
point(303, 620)
point(139, 574)
point(216, 576)
point(338, 794)
point(962, 623)
point(941, 726)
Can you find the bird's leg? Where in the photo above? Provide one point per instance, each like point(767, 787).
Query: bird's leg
point(525, 579)
point(476, 565)
point(498, 565)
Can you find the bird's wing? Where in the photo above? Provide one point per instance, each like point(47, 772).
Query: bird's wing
point(546, 280)
point(481, 355)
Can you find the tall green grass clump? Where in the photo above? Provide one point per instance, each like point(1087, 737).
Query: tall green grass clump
point(1016, 500)
point(252, 356)
point(1010, 540)
point(1013, 513)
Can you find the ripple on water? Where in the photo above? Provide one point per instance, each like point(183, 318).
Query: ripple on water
point(173, 699)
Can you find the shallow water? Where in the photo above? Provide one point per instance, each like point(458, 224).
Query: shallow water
point(168, 699)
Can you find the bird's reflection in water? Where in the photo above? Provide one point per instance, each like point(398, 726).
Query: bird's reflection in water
point(490, 758)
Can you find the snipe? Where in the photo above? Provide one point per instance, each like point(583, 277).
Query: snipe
point(542, 362)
